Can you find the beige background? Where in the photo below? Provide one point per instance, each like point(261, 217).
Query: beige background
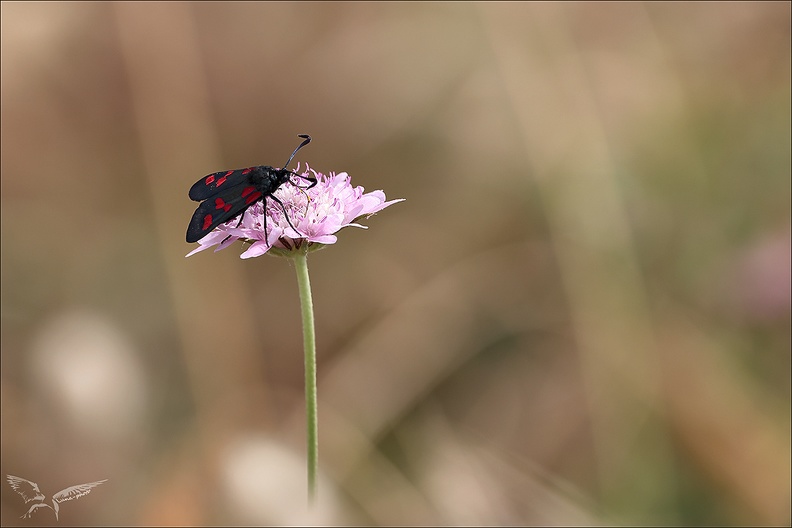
point(579, 315)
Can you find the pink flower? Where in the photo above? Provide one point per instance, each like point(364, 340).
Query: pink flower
point(317, 214)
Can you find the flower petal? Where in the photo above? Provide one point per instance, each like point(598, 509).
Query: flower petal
point(197, 250)
point(256, 249)
point(323, 239)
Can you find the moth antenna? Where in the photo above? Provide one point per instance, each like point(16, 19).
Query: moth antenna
point(307, 139)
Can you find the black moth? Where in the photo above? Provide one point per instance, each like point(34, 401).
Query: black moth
point(227, 194)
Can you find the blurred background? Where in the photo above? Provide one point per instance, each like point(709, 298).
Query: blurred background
point(579, 316)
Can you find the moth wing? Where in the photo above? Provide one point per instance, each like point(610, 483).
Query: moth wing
point(219, 209)
point(217, 182)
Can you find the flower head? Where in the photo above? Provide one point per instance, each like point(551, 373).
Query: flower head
point(316, 214)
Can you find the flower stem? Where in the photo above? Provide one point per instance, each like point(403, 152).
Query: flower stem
point(309, 344)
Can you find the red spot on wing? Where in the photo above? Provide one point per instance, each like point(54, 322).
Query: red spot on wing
point(247, 191)
point(222, 180)
point(209, 179)
point(252, 198)
point(207, 222)
point(220, 204)
point(247, 171)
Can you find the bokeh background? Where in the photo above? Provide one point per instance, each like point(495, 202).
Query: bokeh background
point(579, 316)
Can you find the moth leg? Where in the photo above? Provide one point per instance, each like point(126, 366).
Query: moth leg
point(266, 236)
point(238, 224)
point(313, 180)
point(284, 212)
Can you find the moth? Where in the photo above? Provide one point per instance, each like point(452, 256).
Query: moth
point(225, 195)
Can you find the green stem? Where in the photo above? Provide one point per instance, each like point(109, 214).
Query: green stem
point(309, 344)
